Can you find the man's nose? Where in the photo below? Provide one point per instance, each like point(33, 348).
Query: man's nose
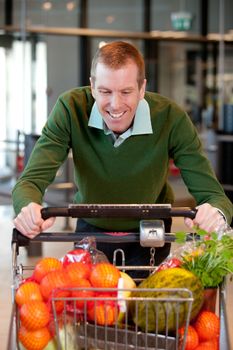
point(115, 101)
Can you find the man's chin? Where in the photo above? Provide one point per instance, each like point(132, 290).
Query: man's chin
point(118, 131)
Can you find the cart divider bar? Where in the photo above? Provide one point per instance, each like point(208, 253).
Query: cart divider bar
point(101, 237)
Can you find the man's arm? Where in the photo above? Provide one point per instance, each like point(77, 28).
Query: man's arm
point(49, 152)
point(199, 176)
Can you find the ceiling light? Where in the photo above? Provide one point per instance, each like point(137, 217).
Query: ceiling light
point(110, 19)
point(47, 5)
point(70, 5)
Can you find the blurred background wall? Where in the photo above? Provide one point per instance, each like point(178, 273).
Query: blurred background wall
point(46, 48)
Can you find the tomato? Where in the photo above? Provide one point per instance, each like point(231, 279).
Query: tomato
point(169, 263)
point(104, 275)
point(34, 315)
point(103, 312)
point(192, 339)
point(82, 293)
point(44, 266)
point(209, 345)
point(28, 291)
point(34, 340)
point(79, 254)
point(78, 270)
point(207, 325)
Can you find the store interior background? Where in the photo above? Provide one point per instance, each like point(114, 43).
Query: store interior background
point(46, 48)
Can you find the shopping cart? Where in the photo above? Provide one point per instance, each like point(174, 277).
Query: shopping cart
point(78, 332)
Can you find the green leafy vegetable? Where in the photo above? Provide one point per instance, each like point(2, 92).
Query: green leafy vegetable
point(211, 258)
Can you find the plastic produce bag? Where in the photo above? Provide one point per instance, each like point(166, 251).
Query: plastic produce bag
point(85, 251)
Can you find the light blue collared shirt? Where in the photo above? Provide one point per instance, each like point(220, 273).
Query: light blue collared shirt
point(141, 124)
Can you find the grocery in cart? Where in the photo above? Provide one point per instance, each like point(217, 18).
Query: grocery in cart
point(83, 301)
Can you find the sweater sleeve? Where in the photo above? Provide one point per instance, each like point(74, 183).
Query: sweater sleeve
point(49, 152)
point(196, 170)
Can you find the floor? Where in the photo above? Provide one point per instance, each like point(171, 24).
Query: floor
point(57, 250)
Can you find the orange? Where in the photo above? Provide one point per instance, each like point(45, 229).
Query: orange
point(209, 345)
point(192, 339)
point(34, 315)
point(28, 291)
point(44, 266)
point(34, 340)
point(207, 325)
point(54, 285)
point(104, 275)
point(78, 270)
point(52, 281)
point(103, 312)
point(82, 293)
point(59, 304)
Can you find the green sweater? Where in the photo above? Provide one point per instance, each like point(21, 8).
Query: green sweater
point(135, 172)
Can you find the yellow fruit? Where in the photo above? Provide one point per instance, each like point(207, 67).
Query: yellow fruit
point(125, 282)
point(128, 283)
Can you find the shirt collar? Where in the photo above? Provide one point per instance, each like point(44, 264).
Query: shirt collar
point(141, 124)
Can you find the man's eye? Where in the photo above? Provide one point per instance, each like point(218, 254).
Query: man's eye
point(126, 92)
point(104, 92)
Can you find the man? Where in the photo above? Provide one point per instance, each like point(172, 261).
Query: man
point(121, 139)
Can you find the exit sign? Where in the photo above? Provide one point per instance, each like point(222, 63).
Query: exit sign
point(181, 20)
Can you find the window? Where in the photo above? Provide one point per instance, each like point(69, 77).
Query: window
point(23, 71)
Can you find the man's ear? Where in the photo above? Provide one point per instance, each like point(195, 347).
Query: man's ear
point(143, 89)
point(92, 87)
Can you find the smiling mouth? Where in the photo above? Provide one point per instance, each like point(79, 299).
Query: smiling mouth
point(116, 115)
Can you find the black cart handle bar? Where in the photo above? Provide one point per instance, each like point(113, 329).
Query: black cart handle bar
point(137, 211)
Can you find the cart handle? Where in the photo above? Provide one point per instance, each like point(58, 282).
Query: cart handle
point(151, 211)
point(144, 211)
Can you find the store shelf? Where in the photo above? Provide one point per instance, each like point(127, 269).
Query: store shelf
point(94, 32)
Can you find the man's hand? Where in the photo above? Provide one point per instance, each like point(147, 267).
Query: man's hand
point(207, 218)
point(29, 221)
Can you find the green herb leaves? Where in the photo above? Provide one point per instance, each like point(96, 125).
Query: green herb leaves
point(211, 259)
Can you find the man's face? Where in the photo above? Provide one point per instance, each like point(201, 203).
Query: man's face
point(117, 95)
